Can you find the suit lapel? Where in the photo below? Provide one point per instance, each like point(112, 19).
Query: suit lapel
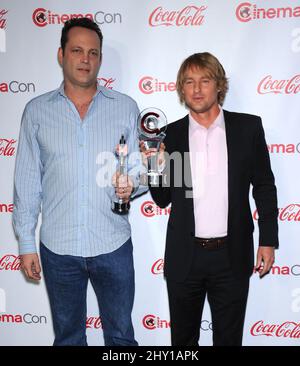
point(186, 168)
point(185, 149)
point(230, 141)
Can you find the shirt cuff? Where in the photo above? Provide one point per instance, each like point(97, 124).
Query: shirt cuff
point(27, 248)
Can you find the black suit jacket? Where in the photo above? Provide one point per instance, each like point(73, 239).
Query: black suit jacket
point(248, 164)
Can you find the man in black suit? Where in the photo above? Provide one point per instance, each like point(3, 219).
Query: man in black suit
point(209, 245)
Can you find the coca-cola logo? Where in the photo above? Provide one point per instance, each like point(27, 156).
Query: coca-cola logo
point(16, 87)
point(288, 329)
point(288, 213)
point(149, 85)
point(5, 208)
point(93, 322)
point(3, 23)
point(6, 147)
point(158, 267)
point(106, 82)
point(10, 262)
point(190, 15)
point(246, 12)
point(150, 209)
point(284, 148)
point(42, 17)
point(152, 322)
point(268, 85)
point(3, 19)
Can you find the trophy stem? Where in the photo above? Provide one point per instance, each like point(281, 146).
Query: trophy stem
point(118, 206)
point(154, 179)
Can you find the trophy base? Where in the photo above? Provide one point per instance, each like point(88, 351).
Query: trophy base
point(120, 208)
point(153, 178)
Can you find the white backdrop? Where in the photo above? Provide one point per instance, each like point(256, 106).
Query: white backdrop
point(258, 43)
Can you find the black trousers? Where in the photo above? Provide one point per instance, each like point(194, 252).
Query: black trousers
point(210, 276)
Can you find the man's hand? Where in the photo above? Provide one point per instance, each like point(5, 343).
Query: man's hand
point(30, 264)
point(264, 260)
point(124, 186)
point(150, 152)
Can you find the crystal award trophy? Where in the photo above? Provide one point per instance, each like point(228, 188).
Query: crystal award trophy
point(152, 124)
point(118, 205)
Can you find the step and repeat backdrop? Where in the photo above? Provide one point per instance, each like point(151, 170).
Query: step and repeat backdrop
point(258, 43)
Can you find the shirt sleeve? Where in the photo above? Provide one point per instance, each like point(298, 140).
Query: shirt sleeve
point(27, 185)
point(264, 191)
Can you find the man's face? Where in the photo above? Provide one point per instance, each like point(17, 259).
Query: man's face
point(199, 90)
point(82, 57)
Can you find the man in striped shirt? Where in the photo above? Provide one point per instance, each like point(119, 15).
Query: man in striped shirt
point(65, 138)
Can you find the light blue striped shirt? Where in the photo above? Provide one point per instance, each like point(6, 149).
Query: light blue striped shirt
point(58, 166)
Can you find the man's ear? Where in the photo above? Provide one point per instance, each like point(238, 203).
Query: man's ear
point(60, 56)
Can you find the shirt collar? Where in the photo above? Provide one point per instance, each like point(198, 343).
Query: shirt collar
point(218, 122)
point(60, 91)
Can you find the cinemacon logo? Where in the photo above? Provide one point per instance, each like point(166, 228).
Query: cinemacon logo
point(7, 147)
point(16, 87)
point(150, 85)
point(26, 318)
point(288, 213)
point(6, 208)
point(150, 209)
point(42, 17)
point(190, 15)
point(284, 148)
point(288, 329)
point(269, 85)
point(152, 322)
point(246, 12)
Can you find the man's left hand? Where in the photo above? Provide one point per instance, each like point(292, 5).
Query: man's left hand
point(264, 260)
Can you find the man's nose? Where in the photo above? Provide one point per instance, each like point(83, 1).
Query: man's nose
point(85, 58)
point(197, 87)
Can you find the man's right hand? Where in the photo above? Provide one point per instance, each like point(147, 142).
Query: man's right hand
point(150, 152)
point(30, 264)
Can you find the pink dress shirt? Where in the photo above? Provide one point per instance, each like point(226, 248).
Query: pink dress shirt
point(208, 155)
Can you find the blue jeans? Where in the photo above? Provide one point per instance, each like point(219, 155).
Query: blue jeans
point(112, 278)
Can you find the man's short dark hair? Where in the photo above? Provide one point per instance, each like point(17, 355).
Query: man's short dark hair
point(79, 22)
